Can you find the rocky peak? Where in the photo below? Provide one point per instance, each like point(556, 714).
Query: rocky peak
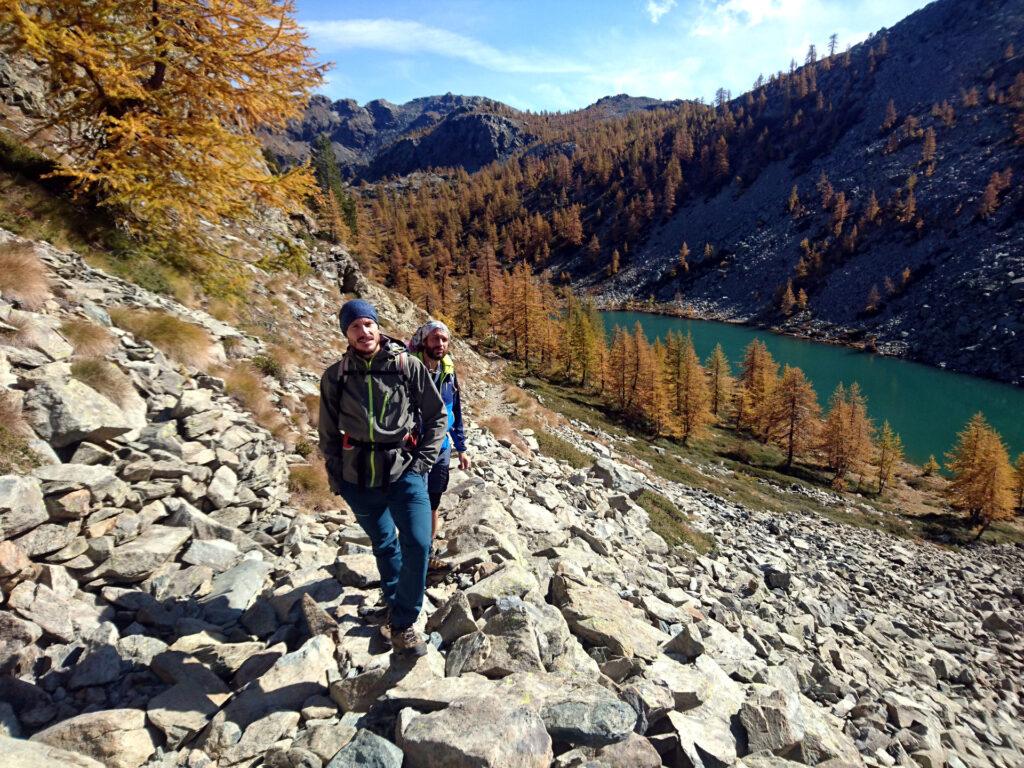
point(464, 139)
point(360, 134)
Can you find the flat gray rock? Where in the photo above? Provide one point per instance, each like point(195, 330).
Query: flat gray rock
point(367, 750)
point(118, 738)
point(234, 591)
point(484, 732)
point(19, 753)
point(134, 561)
point(21, 505)
point(67, 412)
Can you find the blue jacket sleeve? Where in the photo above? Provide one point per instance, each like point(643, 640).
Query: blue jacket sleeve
point(457, 432)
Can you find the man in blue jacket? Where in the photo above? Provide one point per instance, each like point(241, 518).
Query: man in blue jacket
point(430, 344)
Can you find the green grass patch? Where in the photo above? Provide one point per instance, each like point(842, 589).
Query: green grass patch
point(561, 450)
point(673, 525)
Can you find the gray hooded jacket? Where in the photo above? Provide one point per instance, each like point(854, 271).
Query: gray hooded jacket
point(369, 409)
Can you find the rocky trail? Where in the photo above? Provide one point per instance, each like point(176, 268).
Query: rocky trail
point(163, 602)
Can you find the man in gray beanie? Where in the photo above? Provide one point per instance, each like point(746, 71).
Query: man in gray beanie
point(370, 404)
point(430, 344)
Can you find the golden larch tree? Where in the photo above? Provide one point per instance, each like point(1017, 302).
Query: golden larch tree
point(1018, 481)
point(684, 252)
point(693, 410)
point(158, 103)
point(982, 479)
point(847, 433)
point(787, 300)
point(890, 454)
point(654, 398)
point(793, 414)
point(720, 382)
point(759, 376)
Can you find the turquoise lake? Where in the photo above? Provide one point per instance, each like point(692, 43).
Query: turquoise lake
point(927, 406)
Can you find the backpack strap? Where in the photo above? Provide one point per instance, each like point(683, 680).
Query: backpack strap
point(342, 379)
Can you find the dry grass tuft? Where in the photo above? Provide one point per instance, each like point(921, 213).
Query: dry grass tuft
point(20, 336)
point(244, 383)
point(88, 338)
point(15, 455)
point(106, 378)
point(502, 428)
point(23, 275)
point(309, 486)
point(181, 341)
point(224, 310)
point(312, 404)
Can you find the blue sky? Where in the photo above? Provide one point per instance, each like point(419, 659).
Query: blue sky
point(551, 55)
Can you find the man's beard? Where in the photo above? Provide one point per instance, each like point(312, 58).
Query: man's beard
point(432, 354)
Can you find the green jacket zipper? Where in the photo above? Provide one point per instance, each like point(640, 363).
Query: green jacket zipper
point(369, 411)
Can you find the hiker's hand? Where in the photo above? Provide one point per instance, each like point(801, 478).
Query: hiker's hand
point(464, 461)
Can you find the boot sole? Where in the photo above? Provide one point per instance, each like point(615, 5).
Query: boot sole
point(416, 650)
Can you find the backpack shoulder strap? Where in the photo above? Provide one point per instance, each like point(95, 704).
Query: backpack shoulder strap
point(403, 367)
point(342, 379)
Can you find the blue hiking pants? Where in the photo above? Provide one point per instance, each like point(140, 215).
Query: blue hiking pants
point(437, 477)
point(397, 520)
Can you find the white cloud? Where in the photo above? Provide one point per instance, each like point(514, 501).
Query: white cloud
point(658, 8)
point(722, 18)
point(409, 37)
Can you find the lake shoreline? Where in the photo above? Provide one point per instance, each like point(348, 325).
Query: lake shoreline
point(823, 333)
point(928, 405)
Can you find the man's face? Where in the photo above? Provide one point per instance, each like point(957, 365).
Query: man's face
point(363, 335)
point(436, 344)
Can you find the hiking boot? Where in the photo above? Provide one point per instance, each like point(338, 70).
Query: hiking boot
point(407, 642)
point(377, 614)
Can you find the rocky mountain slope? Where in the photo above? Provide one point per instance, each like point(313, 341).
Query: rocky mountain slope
point(383, 139)
point(947, 53)
point(165, 601)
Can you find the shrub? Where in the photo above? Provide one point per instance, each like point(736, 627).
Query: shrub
point(304, 448)
point(21, 333)
point(501, 428)
point(23, 275)
point(181, 341)
point(106, 378)
point(223, 309)
point(15, 455)
point(88, 338)
point(268, 366)
point(312, 403)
